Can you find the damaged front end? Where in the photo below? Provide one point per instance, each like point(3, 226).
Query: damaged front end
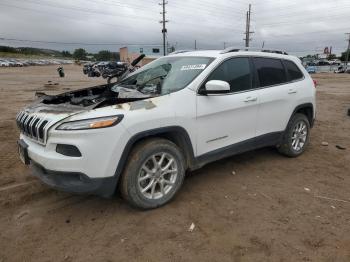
point(91, 98)
point(35, 120)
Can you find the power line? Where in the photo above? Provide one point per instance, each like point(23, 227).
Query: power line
point(85, 10)
point(76, 43)
point(119, 27)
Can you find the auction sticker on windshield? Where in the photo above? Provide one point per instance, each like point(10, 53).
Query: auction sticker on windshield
point(193, 67)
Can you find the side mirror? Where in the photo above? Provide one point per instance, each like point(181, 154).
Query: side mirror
point(216, 87)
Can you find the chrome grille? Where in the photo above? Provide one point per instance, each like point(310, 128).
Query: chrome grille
point(32, 126)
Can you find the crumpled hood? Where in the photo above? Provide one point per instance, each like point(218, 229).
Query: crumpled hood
point(55, 108)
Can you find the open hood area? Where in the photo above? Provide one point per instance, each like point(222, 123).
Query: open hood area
point(84, 99)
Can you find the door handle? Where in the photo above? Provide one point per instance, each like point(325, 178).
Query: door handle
point(292, 91)
point(250, 99)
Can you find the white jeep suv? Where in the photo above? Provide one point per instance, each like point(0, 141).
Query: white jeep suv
point(175, 114)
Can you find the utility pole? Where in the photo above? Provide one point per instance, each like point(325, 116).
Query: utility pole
point(195, 44)
point(247, 27)
point(164, 21)
point(347, 51)
point(224, 45)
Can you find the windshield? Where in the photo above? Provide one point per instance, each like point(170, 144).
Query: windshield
point(165, 75)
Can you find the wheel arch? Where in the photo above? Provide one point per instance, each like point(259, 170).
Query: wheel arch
point(176, 134)
point(307, 109)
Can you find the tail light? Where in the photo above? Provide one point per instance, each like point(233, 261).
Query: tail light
point(315, 83)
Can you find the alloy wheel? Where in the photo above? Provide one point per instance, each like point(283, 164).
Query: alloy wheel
point(299, 136)
point(157, 175)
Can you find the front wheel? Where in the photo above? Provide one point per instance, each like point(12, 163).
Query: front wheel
point(154, 174)
point(296, 137)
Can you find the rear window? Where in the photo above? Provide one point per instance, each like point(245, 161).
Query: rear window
point(270, 71)
point(294, 72)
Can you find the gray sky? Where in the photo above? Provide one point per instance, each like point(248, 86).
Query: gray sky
point(297, 26)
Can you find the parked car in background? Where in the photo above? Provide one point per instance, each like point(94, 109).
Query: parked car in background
point(340, 70)
point(323, 63)
point(335, 62)
point(311, 69)
point(9, 62)
point(4, 63)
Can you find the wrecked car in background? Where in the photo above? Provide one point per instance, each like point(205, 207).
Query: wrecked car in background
point(112, 71)
point(176, 113)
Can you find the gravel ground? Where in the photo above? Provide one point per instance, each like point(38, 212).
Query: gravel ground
point(272, 209)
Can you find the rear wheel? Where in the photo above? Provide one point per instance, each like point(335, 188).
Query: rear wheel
point(296, 137)
point(153, 175)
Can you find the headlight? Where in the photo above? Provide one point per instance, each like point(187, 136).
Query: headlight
point(91, 123)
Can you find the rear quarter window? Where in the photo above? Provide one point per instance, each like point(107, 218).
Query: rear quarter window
point(270, 71)
point(293, 70)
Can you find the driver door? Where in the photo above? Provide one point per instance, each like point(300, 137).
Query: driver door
point(224, 120)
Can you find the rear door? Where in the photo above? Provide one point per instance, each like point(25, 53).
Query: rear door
point(227, 119)
point(278, 94)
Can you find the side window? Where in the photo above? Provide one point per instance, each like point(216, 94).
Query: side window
point(236, 72)
point(294, 72)
point(270, 71)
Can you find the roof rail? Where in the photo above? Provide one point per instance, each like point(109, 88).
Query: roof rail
point(235, 49)
point(275, 51)
point(179, 52)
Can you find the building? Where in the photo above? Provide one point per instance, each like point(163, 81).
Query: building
point(128, 54)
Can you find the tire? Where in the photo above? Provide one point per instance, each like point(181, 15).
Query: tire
point(140, 172)
point(298, 129)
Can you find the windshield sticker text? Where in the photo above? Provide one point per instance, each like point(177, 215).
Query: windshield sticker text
point(193, 67)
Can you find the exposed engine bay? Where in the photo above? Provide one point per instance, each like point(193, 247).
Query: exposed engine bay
point(93, 97)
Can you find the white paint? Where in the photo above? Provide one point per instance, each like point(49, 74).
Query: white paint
point(231, 117)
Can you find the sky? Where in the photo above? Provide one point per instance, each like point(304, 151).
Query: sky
point(297, 26)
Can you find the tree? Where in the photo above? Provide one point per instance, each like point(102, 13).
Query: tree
point(80, 54)
point(331, 57)
point(343, 56)
point(7, 49)
point(105, 55)
point(116, 56)
point(311, 56)
point(66, 54)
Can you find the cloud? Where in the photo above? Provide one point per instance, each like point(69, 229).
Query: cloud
point(288, 25)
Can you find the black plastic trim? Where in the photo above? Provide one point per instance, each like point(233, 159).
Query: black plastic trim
point(193, 162)
point(24, 148)
point(74, 182)
point(182, 133)
point(68, 150)
point(306, 105)
point(271, 139)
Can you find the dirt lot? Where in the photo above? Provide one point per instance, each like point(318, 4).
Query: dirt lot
point(272, 209)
